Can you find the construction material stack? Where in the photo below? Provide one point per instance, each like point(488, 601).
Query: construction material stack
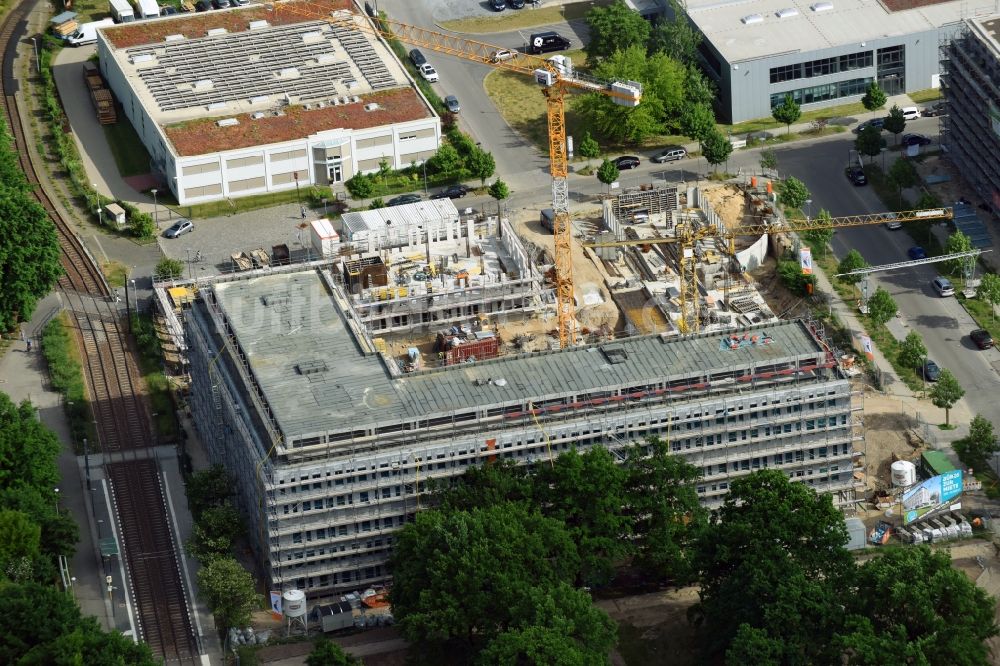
point(104, 101)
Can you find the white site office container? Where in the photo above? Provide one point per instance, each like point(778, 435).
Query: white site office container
point(325, 240)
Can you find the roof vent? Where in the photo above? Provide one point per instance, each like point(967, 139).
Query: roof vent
point(173, 38)
point(257, 115)
point(787, 12)
point(204, 84)
point(615, 354)
point(324, 58)
point(275, 299)
point(228, 122)
point(306, 368)
point(216, 31)
point(141, 58)
point(821, 7)
point(355, 99)
point(260, 99)
point(372, 107)
point(288, 73)
point(215, 106)
point(315, 36)
point(750, 19)
point(257, 25)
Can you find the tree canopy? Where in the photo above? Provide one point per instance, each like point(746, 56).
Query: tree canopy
point(716, 148)
point(869, 141)
point(675, 36)
point(793, 193)
point(852, 261)
point(787, 112)
point(874, 98)
point(697, 122)
point(29, 246)
point(607, 173)
point(912, 351)
point(903, 174)
point(588, 146)
point(614, 28)
point(989, 291)
point(895, 122)
point(328, 653)
point(229, 590)
point(946, 392)
point(481, 164)
point(881, 307)
point(959, 242)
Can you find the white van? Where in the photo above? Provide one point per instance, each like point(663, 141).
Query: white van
point(148, 8)
point(87, 32)
point(121, 11)
point(910, 112)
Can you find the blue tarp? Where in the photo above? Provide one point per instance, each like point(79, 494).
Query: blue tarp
point(967, 221)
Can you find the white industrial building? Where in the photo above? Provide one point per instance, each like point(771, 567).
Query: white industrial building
point(247, 101)
point(398, 226)
point(331, 442)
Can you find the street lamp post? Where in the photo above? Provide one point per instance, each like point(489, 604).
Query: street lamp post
point(56, 490)
point(298, 197)
point(128, 309)
point(809, 209)
point(188, 250)
point(156, 210)
point(425, 176)
point(100, 215)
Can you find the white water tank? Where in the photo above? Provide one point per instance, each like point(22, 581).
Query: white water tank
point(904, 473)
point(294, 603)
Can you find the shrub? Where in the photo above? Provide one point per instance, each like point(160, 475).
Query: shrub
point(169, 269)
point(66, 375)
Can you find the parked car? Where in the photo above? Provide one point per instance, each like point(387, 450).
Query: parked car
point(179, 228)
point(451, 192)
point(201, 6)
point(892, 221)
point(910, 112)
point(856, 175)
point(943, 286)
point(403, 199)
point(429, 73)
point(417, 58)
point(220, 4)
point(916, 252)
point(546, 42)
point(874, 122)
point(501, 55)
point(516, 4)
point(915, 140)
point(670, 154)
point(451, 103)
point(982, 338)
point(935, 110)
point(168, 10)
point(930, 370)
point(498, 5)
point(626, 162)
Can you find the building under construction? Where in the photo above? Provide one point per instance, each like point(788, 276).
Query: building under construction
point(331, 443)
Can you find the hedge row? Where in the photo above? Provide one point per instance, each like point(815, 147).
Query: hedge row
point(66, 375)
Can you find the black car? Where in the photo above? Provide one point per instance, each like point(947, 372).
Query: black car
point(220, 4)
point(168, 11)
point(516, 4)
point(915, 140)
point(201, 6)
point(874, 122)
point(982, 338)
point(417, 58)
point(498, 5)
point(931, 111)
point(451, 192)
point(856, 175)
point(930, 371)
point(626, 162)
point(403, 199)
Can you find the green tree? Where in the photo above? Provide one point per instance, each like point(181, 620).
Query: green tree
point(588, 147)
point(215, 531)
point(910, 606)
point(881, 307)
point(43, 625)
point(445, 160)
point(912, 351)
point(663, 96)
point(959, 242)
point(481, 164)
point(169, 269)
point(773, 558)
point(754, 646)
point(208, 488)
point(486, 485)
point(852, 261)
point(981, 442)
point(895, 122)
point(328, 653)
point(791, 275)
point(141, 225)
point(662, 498)
point(874, 98)
point(360, 185)
point(869, 141)
point(716, 148)
point(946, 392)
point(768, 160)
point(586, 492)
point(675, 36)
point(819, 239)
point(698, 88)
point(787, 112)
point(28, 449)
point(20, 541)
point(903, 174)
point(499, 191)
point(557, 626)
point(793, 193)
point(614, 28)
point(607, 173)
point(462, 578)
point(229, 591)
point(697, 122)
point(29, 251)
point(989, 291)
point(376, 203)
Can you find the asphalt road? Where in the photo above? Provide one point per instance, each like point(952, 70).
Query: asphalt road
point(941, 322)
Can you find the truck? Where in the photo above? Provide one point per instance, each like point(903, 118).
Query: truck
point(148, 8)
point(121, 11)
point(86, 33)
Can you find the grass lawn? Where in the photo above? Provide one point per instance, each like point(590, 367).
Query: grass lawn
point(114, 272)
point(924, 96)
point(522, 18)
point(981, 312)
point(522, 105)
point(241, 204)
point(854, 109)
point(129, 153)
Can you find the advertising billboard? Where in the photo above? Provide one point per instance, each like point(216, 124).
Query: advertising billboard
point(935, 493)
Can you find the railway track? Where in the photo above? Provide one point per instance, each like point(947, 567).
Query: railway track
point(142, 516)
point(120, 412)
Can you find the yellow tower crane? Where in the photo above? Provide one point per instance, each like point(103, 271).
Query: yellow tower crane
point(555, 82)
point(687, 235)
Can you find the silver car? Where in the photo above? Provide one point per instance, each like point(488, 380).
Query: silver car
point(451, 103)
point(179, 228)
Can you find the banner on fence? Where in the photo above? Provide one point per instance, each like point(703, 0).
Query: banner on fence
point(806, 259)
